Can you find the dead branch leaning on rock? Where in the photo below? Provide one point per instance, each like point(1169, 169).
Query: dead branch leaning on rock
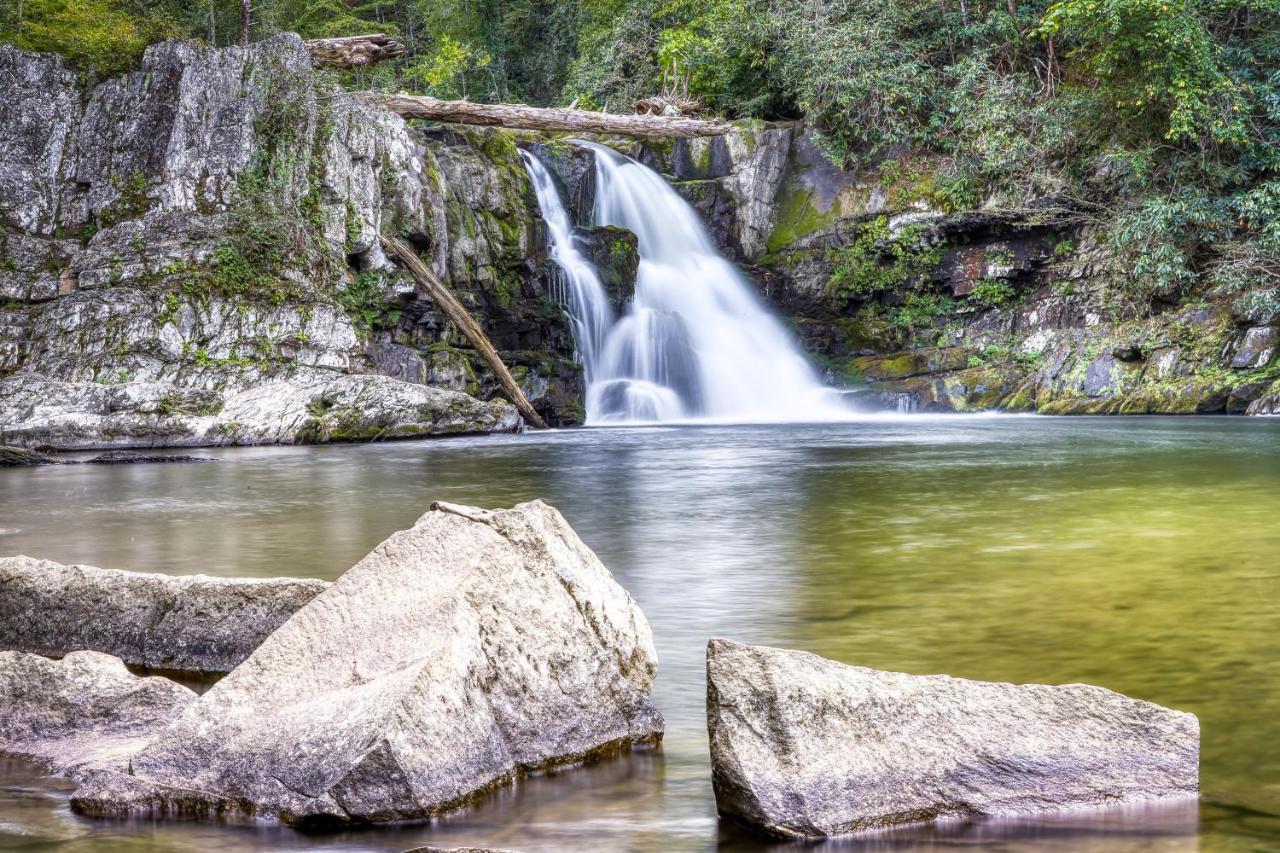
point(460, 317)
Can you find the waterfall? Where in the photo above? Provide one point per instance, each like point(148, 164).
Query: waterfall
point(694, 343)
point(589, 309)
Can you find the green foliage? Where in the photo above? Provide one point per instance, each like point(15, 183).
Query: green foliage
point(451, 71)
point(1157, 63)
point(362, 298)
point(878, 261)
point(994, 293)
point(98, 37)
point(921, 310)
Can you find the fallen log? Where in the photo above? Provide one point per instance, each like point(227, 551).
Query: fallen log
point(460, 317)
point(523, 117)
point(350, 52)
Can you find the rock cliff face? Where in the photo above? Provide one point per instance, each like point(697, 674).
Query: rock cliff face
point(996, 307)
point(206, 228)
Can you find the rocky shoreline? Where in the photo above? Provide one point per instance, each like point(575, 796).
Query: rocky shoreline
point(480, 645)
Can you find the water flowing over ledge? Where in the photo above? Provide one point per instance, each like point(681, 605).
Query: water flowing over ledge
point(694, 343)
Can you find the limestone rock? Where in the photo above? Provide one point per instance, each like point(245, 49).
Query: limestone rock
point(313, 406)
point(83, 713)
point(183, 623)
point(806, 747)
point(458, 653)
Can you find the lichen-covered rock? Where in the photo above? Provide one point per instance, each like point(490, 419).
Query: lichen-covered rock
point(15, 457)
point(806, 747)
point(132, 243)
point(458, 653)
point(305, 407)
point(82, 714)
point(179, 623)
point(615, 253)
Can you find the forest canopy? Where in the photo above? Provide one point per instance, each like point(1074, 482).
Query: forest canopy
point(1162, 116)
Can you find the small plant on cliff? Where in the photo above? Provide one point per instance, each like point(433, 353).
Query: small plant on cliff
point(994, 293)
point(879, 260)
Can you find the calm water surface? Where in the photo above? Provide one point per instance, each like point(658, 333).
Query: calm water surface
point(1139, 554)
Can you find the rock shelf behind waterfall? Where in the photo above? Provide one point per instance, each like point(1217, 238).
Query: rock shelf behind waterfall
point(474, 646)
point(807, 747)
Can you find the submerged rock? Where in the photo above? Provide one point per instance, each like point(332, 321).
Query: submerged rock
point(807, 747)
point(83, 713)
point(17, 457)
point(130, 457)
point(191, 624)
point(458, 653)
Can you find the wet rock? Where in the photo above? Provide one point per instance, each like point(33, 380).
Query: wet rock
point(1257, 348)
point(806, 747)
point(191, 624)
point(83, 713)
point(307, 407)
point(458, 653)
point(14, 457)
point(130, 457)
point(901, 365)
point(615, 252)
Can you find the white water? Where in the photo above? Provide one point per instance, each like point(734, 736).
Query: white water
point(694, 343)
point(584, 296)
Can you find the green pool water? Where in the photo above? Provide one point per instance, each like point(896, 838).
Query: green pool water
point(1140, 554)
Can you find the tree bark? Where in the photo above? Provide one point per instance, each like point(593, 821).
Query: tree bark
point(520, 116)
point(460, 317)
point(246, 18)
point(354, 51)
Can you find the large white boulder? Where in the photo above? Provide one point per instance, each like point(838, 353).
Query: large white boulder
point(459, 653)
point(807, 747)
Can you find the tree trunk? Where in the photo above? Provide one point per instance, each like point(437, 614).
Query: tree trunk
point(524, 117)
point(354, 51)
point(246, 18)
point(460, 317)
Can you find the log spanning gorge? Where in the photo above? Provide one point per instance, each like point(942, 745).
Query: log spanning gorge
point(693, 342)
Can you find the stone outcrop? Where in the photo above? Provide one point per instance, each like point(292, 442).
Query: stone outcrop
point(209, 225)
point(192, 624)
point(806, 747)
point(474, 646)
point(81, 714)
point(307, 407)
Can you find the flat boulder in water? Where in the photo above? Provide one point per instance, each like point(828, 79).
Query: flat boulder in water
point(83, 713)
point(458, 653)
point(193, 624)
point(802, 746)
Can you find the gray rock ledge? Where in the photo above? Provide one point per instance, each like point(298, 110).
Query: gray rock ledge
point(459, 653)
point(194, 624)
point(805, 747)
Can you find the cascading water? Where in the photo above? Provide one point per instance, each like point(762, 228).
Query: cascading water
point(585, 298)
point(694, 342)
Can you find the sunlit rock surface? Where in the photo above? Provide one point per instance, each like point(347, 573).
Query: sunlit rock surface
point(83, 713)
point(191, 624)
point(458, 653)
point(802, 746)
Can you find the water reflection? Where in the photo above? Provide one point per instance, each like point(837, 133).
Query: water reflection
point(1134, 553)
